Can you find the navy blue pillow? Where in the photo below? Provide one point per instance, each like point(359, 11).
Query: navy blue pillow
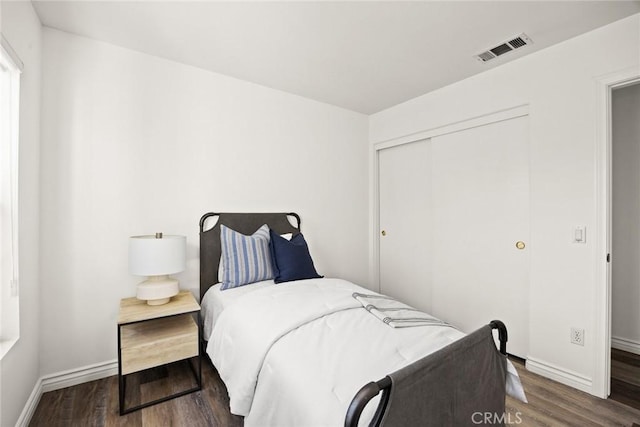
point(291, 258)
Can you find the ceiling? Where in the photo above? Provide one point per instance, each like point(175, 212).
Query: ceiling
point(363, 56)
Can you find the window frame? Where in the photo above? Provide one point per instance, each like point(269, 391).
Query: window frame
point(10, 70)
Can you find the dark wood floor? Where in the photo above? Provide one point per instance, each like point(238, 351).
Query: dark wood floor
point(625, 377)
point(554, 404)
point(96, 404)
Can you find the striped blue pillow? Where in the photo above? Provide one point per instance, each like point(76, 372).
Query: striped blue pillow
point(246, 259)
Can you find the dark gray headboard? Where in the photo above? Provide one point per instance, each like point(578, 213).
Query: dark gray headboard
point(245, 223)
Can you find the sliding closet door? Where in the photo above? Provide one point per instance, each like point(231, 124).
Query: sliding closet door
point(480, 214)
point(405, 225)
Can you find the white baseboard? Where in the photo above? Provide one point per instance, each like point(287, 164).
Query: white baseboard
point(79, 375)
point(62, 380)
point(30, 407)
point(564, 376)
point(626, 345)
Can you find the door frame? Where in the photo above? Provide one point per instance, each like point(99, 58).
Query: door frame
point(601, 386)
point(485, 119)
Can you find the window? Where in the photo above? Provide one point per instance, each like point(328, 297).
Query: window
point(10, 69)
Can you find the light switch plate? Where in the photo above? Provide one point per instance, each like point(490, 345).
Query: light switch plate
point(579, 234)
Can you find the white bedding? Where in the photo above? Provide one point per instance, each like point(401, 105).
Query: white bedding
point(276, 376)
point(215, 301)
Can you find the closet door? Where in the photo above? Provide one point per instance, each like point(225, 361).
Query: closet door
point(480, 214)
point(405, 226)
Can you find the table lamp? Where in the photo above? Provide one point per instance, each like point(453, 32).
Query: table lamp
point(157, 257)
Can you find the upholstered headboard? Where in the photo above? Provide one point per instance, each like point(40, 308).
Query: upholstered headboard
point(245, 223)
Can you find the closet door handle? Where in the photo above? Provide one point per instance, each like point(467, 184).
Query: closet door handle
point(520, 244)
point(383, 232)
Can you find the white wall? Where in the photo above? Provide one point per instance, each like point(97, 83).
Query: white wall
point(559, 85)
point(135, 144)
point(625, 277)
point(19, 369)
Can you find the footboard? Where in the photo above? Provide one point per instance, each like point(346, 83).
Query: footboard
point(449, 387)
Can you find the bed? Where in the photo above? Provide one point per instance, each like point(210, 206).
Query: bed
point(308, 352)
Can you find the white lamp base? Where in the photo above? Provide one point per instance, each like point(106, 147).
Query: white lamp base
point(158, 301)
point(157, 290)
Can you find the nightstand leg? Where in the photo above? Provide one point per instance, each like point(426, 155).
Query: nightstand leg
point(197, 372)
point(121, 380)
point(199, 351)
point(122, 392)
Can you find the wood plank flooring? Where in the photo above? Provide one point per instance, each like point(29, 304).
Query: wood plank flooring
point(625, 378)
point(96, 404)
point(554, 404)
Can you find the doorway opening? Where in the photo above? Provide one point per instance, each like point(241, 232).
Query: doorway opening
point(625, 243)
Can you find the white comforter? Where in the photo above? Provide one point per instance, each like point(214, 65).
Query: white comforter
point(277, 376)
point(265, 336)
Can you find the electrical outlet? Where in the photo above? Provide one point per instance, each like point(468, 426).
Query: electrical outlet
point(577, 336)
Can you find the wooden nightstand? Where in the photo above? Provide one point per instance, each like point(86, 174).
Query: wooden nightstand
point(152, 336)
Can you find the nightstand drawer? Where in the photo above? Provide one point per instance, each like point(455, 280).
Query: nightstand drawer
point(157, 342)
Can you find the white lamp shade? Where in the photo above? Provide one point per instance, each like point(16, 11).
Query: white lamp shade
point(151, 256)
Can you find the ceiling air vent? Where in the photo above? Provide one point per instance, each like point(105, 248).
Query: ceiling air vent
point(513, 44)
